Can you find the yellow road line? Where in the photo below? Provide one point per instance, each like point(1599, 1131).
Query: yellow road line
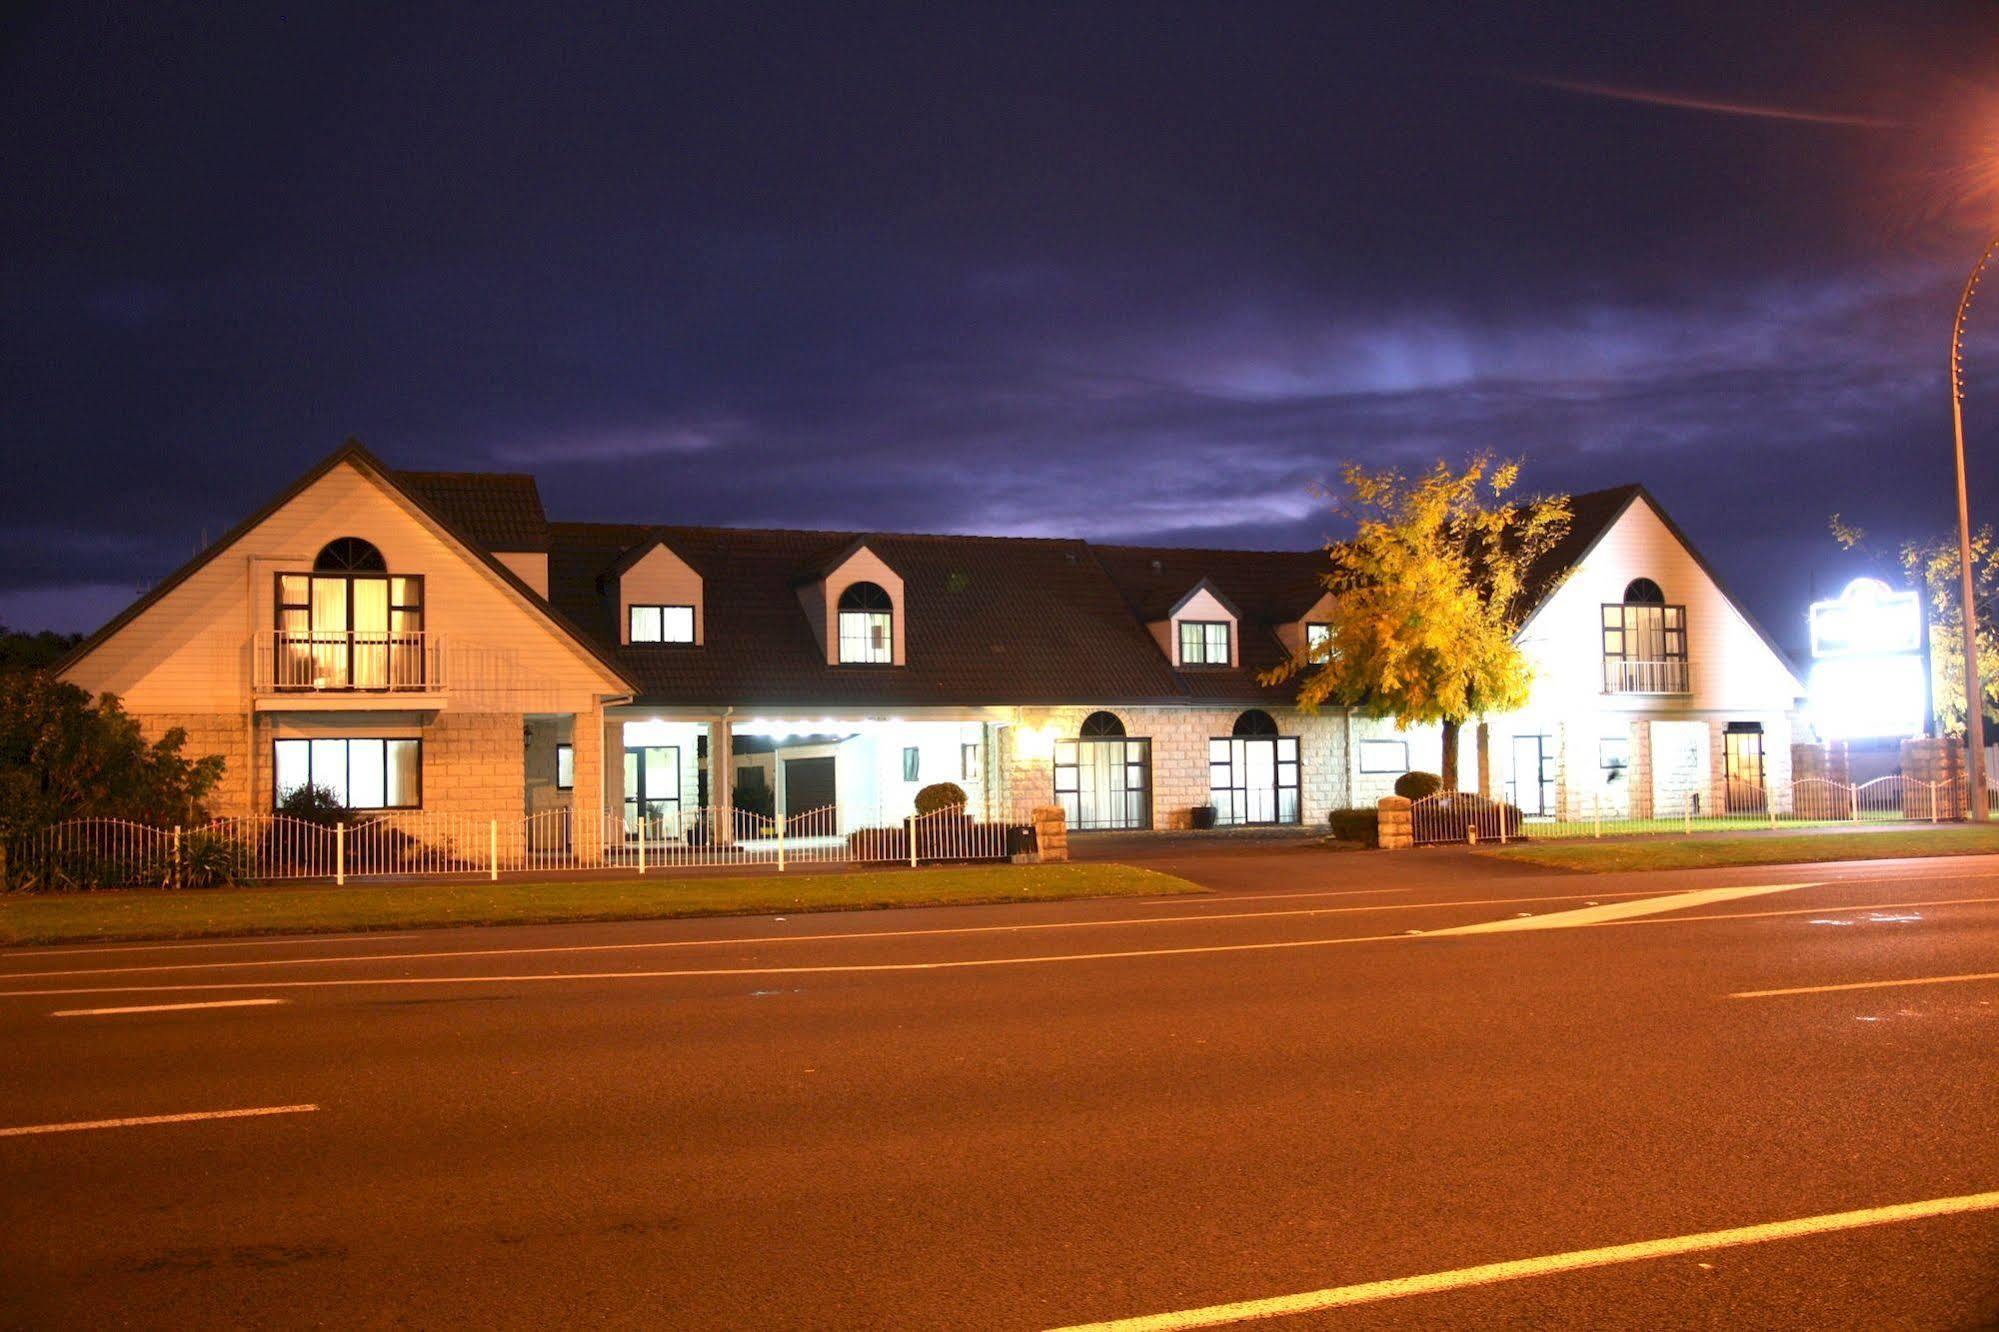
point(1867, 985)
point(1617, 911)
point(1216, 1315)
point(823, 937)
point(141, 1120)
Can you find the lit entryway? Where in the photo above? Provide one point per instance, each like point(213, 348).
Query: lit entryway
point(652, 788)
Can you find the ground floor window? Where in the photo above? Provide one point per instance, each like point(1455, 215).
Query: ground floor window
point(565, 767)
point(1104, 782)
point(359, 772)
point(1254, 779)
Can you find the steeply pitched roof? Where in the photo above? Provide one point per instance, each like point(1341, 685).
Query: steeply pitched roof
point(498, 510)
point(353, 454)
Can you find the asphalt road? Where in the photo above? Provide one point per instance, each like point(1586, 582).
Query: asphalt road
point(1034, 1116)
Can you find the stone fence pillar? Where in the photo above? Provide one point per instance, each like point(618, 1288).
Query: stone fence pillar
point(1395, 828)
point(1051, 833)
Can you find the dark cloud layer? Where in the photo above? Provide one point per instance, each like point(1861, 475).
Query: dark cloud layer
point(1142, 272)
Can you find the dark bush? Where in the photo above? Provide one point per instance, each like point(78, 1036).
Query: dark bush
point(1416, 785)
point(314, 804)
point(878, 843)
point(212, 860)
point(755, 798)
point(938, 837)
point(1451, 818)
point(940, 795)
point(1356, 825)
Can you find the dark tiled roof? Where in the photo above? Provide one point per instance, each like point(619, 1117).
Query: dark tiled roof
point(499, 510)
point(988, 620)
point(1590, 516)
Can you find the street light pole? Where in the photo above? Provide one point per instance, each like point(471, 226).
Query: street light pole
point(1974, 701)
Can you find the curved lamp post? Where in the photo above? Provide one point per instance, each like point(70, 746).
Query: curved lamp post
point(1974, 702)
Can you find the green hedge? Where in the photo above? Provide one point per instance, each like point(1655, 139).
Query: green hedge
point(1356, 825)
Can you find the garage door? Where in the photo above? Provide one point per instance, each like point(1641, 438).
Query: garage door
point(808, 784)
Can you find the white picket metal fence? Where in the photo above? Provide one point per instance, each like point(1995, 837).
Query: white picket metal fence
point(1812, 801)
point(117, 853)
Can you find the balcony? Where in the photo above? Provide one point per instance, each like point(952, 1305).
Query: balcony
point(298, 667)
point(1626, 675)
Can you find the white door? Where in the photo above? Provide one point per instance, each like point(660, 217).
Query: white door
point(1534, 774)
point(1680, 772)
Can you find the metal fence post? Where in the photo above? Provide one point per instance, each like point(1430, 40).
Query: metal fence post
point(493, 850)
point(777, 808)
point(1596, 816)
point(1687, 818)
point(340, 854)
point(910, 823)
point(1853, 803)
point(642, 842)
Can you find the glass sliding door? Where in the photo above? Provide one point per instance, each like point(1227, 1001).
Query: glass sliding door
point(1254, 779)
point(1104, 782)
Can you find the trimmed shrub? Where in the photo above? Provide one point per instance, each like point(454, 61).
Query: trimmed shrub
point(940, 795)
point(1416, 785)
point(314, 804)
point(1356, 825)
point(1202, 816)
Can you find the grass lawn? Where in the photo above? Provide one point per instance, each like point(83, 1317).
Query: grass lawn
point(1702, 851)
point(203, 913)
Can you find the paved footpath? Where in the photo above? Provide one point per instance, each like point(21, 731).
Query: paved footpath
point(1393, 1091)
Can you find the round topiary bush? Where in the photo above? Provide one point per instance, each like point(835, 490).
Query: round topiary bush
point(940, 795)
point(1416, 785)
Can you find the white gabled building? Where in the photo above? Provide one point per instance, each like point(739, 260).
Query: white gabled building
point(432, 640)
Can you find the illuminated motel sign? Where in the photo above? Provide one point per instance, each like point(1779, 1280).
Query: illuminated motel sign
point(1870, 676)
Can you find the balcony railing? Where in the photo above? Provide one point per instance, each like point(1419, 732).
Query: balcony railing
point(355, 663)
point(1626, 675)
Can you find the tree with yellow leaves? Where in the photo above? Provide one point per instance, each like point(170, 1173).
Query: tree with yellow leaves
point(1427, 597)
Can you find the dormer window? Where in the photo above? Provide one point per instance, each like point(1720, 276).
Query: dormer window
point(867, 625)
point(1318, 637)
point(661, 624)
point(1204, 642)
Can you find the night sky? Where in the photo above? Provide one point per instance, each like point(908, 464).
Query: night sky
point(1130, 273)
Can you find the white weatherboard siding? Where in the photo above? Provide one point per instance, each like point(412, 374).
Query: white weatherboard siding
point(190, 652)
point(659, 578)
point(822, 601)
point(1734, 676)
point(1202, 606)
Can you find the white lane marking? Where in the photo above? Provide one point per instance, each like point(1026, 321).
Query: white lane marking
point(825, 937)
point(1336, 1297)
point(271, 941)
point(1596, 915)
point(1867, 985)
point(140, 1120)
point(948, 965)
point(166, 1008)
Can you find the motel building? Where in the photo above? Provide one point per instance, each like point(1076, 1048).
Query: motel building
point(423, 640)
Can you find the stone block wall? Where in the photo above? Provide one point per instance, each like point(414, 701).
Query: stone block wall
point(227, 734)
point(1180, 771)
point(474, 764)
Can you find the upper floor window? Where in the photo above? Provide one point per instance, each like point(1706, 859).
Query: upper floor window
point(661, 624)
point(867, 625)
point(1318, 635)
point(355, 629)
point(1644, 642)
point(349, 555)
point(1204, 642)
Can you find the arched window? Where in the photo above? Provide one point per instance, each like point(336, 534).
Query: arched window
point(1100, 725)
point(349, 555)
point(1644, 643)
point(867, 625)
point(1255, 722)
